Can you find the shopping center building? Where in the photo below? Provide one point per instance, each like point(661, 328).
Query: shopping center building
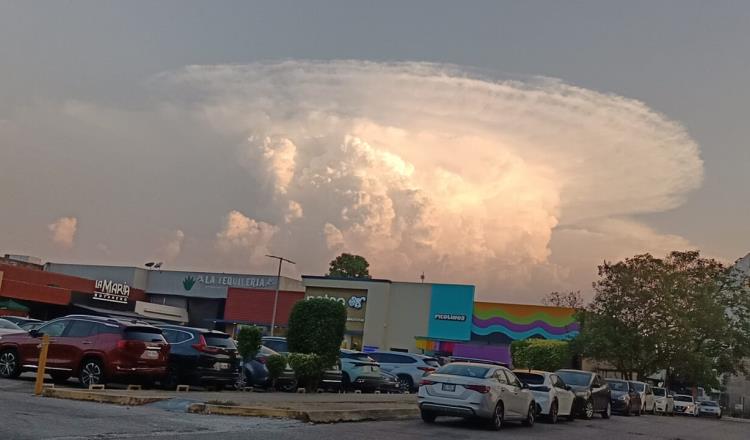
point(439, 319)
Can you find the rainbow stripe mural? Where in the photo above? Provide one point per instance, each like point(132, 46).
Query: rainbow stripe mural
point(495, 322)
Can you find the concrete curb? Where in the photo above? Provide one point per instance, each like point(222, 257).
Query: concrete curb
point(308, 416)
point(94, 396)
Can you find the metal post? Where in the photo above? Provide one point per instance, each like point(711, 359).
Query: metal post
point(278, 285)
point(42, 363)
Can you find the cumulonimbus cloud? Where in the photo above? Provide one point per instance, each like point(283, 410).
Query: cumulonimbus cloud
point(423, 167)
point(63, 231)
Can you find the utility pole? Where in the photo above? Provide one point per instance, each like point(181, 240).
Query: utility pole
point(278, 284)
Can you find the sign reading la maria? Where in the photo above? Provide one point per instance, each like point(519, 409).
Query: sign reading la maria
point(105, 290)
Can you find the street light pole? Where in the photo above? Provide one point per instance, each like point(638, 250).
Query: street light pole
point(278, 284)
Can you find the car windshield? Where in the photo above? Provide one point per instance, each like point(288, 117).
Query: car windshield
point(219, 340)
point(4, 323)
point(580, 379)
point(278, 345)
point(683, 398)
point(463, 370)
point(143, 334)
point(660, 392)
point(617, 385)
point(640, 387)
point(709, 403)
point(530, 378)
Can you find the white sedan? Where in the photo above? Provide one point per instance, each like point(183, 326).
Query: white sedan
point(472, 390)
point(709, 408)
point(553, 397)
point(664, 401)
point(685, 404)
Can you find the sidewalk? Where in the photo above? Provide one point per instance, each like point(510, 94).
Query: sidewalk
point(316, 408)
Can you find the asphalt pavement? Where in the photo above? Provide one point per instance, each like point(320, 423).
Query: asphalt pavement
point(24, 416)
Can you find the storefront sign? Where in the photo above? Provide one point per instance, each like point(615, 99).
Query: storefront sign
point(449, 317)
point(354, 302)
point(204, 284)
point(451, 306)
point(227, 281)
point(105, 290)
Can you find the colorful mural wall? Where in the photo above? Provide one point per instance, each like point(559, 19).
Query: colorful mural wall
point(504, 323)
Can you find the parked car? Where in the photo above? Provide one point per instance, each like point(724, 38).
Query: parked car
point(31, 325)
point(685, 404)
point(199, 356)
point(19, 320)
point(664, 401)
point(409, 368)
point(626, 399)
point(475, 361)
point(390, 384)
point(592, 392)
point(359, 371)
point(93, 348)
point(471, 390)
point(332, 378)
point(648, 404)
point(8, 327)
point(709, 408)
point(552, 396)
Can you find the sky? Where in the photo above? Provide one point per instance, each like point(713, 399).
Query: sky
point(510, 145)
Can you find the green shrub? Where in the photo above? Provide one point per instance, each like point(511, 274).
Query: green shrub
point(540, 354)
point(316, 326)
point(308, 368)
point(276, 364)
point(249, 339)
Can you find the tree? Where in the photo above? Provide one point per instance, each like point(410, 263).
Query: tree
point(276, 365)
point(571, 299)
point(249, 340)
point(540, 354)
point(685, 314)
point(349, 266)
point(316, 326)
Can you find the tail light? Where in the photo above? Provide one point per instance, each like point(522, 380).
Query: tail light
point(124, 344)
point(483, 389)
point(427, 382)
point(202, 346)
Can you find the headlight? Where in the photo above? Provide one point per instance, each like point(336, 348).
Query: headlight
point(624, 397)
point(584, 394)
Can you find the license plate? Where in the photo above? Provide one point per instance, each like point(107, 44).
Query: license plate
point(221, 366)
point(150, 354)
point(449, 387)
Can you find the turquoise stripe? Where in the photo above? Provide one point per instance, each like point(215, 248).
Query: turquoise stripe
point(522, 335)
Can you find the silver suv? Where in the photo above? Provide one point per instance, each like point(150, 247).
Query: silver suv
point(409, 368)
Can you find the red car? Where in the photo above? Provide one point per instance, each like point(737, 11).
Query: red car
point(95, 349)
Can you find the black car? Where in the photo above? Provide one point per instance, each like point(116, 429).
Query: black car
point(200, 357)
point(592, 393)
point(625, 400)
point(389, 384)
point(332, 378)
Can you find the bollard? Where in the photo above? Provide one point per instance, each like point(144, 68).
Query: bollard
point(134, 387)
point(183, 388)
point(96, 387)
point(301, 390)
point(44, 346)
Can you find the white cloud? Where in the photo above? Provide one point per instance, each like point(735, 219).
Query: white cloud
point(426, 167)
point(172, 246)
point(63, 231)
point(294, 212)
point(244, 236)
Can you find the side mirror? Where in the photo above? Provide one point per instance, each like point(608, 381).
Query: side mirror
point(524, 385)
point(669, 396)
point(568, 387)
point(34, 333)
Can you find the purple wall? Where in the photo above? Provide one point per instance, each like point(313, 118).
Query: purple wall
point(498, 353)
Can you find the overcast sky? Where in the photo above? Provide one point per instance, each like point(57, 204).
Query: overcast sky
point(511, 145)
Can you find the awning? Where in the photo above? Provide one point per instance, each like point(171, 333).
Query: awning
point(9, 304)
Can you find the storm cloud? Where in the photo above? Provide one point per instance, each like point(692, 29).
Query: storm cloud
point(517, 185)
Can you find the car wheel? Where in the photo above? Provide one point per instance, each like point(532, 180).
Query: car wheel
point(346, 382)
point(628, 410)
point(653, 409)
point(608, 411)
point(588, 409)
point(530, 415)
point(10, 367)
point(638, 411)
point(92, 373)
point(428, 416)
point(171, 380)
point(405, 382)
point(59, 377)
point(498, 416)
point(553, 413)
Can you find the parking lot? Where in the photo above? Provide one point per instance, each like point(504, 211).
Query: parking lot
point(27, 417)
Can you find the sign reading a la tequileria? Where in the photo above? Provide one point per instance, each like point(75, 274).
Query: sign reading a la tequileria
point(105, 290)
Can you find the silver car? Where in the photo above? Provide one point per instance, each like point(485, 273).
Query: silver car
point(664, 401)
point(709, 408)
point(471, 390)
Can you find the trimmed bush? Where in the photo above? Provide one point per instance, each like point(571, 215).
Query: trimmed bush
point(308, 368)
point(316, 326)
point(276, 364)
point(540, 354)
point(249, 339)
